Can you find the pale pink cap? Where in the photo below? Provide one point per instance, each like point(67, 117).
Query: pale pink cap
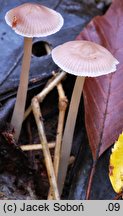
point(84, 58)
point(34, 20)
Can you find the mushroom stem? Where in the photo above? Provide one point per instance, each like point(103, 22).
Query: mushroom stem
point(69, 131)
point(18, 113)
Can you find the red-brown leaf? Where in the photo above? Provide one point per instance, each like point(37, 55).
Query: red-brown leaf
point(103, 96)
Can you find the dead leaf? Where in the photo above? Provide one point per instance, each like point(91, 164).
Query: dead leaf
point(103, 96)
point(116, 165)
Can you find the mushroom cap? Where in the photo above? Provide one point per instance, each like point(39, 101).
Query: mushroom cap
point(84, 58)
point(34, 20)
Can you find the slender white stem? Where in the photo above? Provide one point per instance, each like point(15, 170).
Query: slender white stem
point(69, 131)
point(18, 113)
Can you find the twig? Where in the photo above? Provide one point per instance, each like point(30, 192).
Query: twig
point(46, 90)
point(38, 117)
point(46, 152)
point(69, 131)
point(62, 108)
point(33, 147)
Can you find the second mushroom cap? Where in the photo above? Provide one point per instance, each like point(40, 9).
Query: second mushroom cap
point(84, 58)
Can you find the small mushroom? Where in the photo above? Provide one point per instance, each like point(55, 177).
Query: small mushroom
point(81, 58)
point(29, 20)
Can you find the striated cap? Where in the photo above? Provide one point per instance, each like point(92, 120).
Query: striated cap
point(84, 58)
point(34, 20)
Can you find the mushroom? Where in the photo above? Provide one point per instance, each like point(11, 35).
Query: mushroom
point(80, 58)
point(29, 20)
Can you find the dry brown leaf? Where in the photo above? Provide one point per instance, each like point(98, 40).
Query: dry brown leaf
point(103, 96)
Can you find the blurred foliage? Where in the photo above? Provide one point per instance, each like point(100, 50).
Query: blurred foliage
point(116, 165)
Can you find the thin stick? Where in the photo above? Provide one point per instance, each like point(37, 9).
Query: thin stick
point(29, 109)
point(62, 108)
point(36, 146)
point(46, 90)
point(18, 113)
point(69, 131)
point(46, 152)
